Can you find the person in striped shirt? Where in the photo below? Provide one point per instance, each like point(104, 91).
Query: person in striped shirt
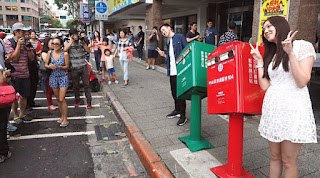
point(19, 54)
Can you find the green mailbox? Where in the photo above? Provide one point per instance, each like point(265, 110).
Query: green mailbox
point(192, 70)
point(192, 85)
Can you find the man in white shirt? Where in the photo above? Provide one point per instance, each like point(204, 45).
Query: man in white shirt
point(176, 43)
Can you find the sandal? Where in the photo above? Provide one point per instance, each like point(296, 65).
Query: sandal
point(18, 120)
point(64, 124)
point(60, 121)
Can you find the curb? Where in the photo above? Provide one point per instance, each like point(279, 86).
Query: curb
point(148, 156)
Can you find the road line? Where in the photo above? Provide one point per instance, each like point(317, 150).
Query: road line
point(66, 134)
point(68, 97)
point(69, 118)
point(196, 164)
point(69, 107)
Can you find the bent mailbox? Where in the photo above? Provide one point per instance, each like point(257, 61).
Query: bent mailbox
point(192, 85)
point(233, 88)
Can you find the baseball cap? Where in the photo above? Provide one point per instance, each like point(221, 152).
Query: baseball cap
point(18, 26)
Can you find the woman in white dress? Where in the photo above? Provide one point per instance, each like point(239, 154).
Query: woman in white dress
point(284, 71)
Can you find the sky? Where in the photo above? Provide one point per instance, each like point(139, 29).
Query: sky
point(54, 7)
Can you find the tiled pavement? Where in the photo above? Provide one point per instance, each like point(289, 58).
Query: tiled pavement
point(148, 100)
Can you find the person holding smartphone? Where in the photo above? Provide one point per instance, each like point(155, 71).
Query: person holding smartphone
point(175, 44)
point(152, 46)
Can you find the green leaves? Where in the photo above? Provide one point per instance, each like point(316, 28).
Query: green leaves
point(69, 5)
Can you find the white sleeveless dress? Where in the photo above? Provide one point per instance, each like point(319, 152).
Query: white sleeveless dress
point(286, 111)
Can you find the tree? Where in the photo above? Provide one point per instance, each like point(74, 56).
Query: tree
point(56, 23)
point(70, 24)
point(75, 24)
point(47, 19)
point(69, 5)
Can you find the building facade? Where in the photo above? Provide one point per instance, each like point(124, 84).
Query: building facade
point(25, 11)
point(44, 8)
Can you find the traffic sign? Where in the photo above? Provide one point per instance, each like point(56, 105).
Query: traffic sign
point(101, 10)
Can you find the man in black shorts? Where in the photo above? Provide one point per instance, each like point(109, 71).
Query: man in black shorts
point(153, 44)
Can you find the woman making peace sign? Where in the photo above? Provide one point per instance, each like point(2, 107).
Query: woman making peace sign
point(287, 118)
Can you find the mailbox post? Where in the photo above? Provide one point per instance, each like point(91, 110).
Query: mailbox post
point(233, 88)
point(192, 85)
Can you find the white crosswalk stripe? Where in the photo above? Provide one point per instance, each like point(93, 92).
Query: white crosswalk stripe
point(66, 134)
point(69, 118)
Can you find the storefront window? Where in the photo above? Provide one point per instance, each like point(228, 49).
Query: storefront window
point(12, 17)
point(26, 18)
point(239, 11)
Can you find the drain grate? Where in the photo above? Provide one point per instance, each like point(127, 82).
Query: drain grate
point(111, 131)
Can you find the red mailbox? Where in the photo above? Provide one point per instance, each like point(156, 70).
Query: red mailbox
point(233, 88)
point(233, 80)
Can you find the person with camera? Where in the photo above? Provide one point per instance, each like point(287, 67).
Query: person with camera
point(152, 46)
point(77, 49)
point(31, 39)
point(18, 53)
point(86, 40)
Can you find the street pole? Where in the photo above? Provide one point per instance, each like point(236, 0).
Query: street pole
point(101, 28)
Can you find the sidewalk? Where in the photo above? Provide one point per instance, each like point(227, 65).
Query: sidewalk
point(148, 100)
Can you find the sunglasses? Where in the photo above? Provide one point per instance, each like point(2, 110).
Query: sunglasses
point(56, 44)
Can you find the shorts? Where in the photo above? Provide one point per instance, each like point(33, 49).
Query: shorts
point(152, 53)
point(59, 81)
point(22, 86)
point(103, 64)
point(111, 70)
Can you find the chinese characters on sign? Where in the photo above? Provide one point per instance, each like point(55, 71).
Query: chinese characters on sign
point(271, 8)
point(253, 72)
point(101, 10)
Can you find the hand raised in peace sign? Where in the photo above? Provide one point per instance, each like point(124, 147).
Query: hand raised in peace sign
point(256, 54)
point(287, 43)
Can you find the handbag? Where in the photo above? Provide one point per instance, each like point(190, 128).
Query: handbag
point(42, 65)
point(7, 96)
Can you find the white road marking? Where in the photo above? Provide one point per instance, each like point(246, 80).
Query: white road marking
point(69, 118)
point(66, 134)
point(81, 106)
point(68, 97)
point(196, 164)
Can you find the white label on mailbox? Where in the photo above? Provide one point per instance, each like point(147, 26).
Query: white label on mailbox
point(220, 67)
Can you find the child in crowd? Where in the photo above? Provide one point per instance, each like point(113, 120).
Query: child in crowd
point(109, 59)
point(103, 47)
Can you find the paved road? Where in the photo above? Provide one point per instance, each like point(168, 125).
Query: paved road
point(93, 145)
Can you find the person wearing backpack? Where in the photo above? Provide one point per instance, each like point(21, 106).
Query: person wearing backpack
point(18, 53)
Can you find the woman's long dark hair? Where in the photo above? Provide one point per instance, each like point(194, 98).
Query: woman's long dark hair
point(282, 29)
point(95, 34)
point(46, 45)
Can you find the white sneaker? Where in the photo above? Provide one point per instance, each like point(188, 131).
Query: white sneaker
point(116, 82)
point(148, 67)
point(109, 82)
point(153, 68)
